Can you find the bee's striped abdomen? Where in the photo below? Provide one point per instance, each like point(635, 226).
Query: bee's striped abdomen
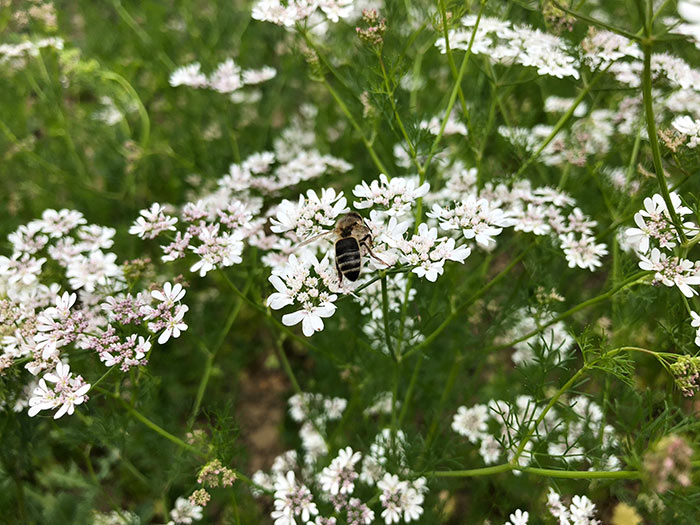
point(347, 257)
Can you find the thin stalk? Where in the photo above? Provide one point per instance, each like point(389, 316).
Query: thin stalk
point(453, 95)
point(204, 381)
point(653, 139)
point(551, 473)
point(343, 107)
point(562, 121)
point(288, 368)
point(581, 474)
point(94, 385)
point(451, 61)
point(385, 312)
point(630, 281)
point(501, 275)
point(596, 22)
point(449, 384)
point(150, 424)
point(549, 406)
point(170, 437)
point(297, 388)
point(392, 102)
point(470, 473)
point(341, 104)
point(411, 387)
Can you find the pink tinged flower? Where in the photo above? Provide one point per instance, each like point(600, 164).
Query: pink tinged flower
point(340, 475)
point(70, 399)
point(43, 398)
point(283, 297)
point(64, 303)
point(152, 222)
point(21, 268)
point(61, 376)
point(67, 392)
point(169, 295)
point(174, 325)
point(653, 262)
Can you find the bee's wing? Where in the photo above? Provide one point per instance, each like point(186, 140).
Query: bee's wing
point(312, 239)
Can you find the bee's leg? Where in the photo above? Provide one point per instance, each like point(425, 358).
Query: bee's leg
point(366, 246)
point(340, 274)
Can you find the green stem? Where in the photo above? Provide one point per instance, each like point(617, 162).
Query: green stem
point(630, 281)
point(150, 424)
point(370, 148)
point(451, 61)
point(204, 381)
point(582, 474)
point(411, 387)
point(343, 107)
point(550, 473)
point(501, 275)
point(170, 437)
point(596, 22)
point(143, 113)
point(470, 473)
point(453, 95)
point(653, 139)
point(542, 415)
point(266, 313)
point(94, 385)
point(385, 312)
point(562, 121)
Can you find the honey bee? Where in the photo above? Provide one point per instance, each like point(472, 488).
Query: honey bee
point(354, 240)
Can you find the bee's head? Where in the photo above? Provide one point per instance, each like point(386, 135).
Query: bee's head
point(346, 223)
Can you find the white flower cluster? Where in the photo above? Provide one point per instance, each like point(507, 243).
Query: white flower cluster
point(185, 512)
point(308, 282)
point(39, 322)
point(215, 235)
point(395, 197)
point(568, 434)
point(67, 391)
point(688, 127)
point(690, 12)
point(310, 215)
point(547, 211)
point(219, 224)
point(518, 518)
point(506, 43)
point(293, 500)
point(314, 411)
point(256, 173)
point(581, 511)
point(424, 251)
point(16, 55)
point(427, 252)
point(477, 218)
point(601, 48)
point(590, 135)
point(226, 78)
point(290, 13)
point(654, 239)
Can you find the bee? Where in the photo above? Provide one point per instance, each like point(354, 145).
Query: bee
point(354, 240)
